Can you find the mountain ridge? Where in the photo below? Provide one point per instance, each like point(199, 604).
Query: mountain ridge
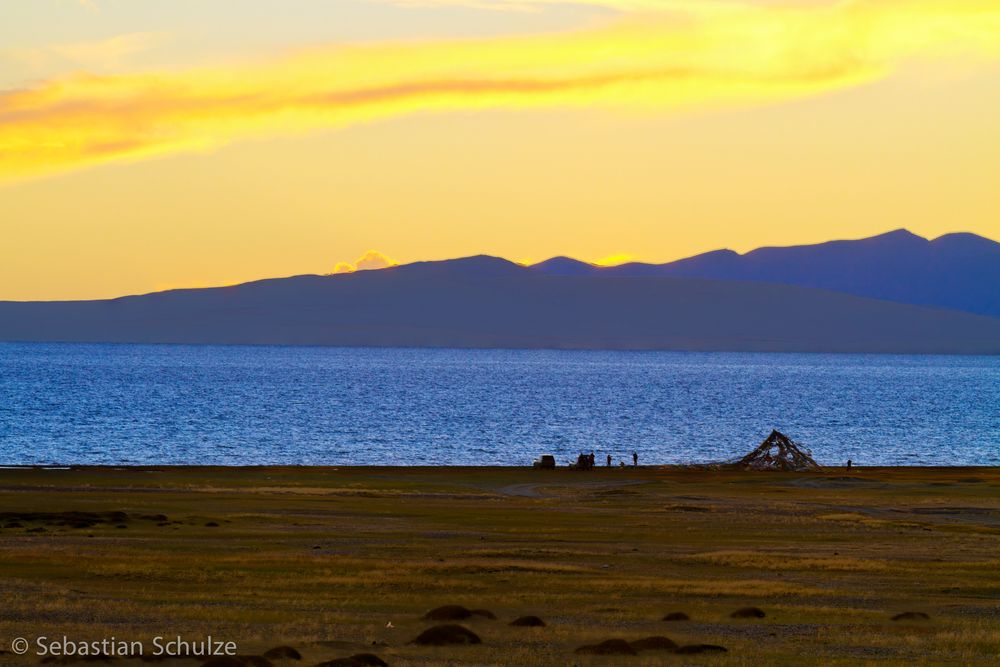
point(493, 303)
point(958, 271)
point(563, 303)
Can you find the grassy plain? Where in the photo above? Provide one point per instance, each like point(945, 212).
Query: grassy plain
point(324, 558)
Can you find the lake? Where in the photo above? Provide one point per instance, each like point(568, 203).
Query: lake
point(232, 405)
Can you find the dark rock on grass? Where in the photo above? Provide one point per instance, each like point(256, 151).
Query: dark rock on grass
point(369, 659)
point(282, 652)
point(359, 660)
point(238, 661)
point(748, 612)
point(70, 659)
point(456, 612)
point(694, 649)
point(37, 529)
point(608, 647)
point(656, 643)
point(676, 616)
point(211, 524)
point(911, 616)
point(442, 635)
point(146, 657)
point(14, 524)
point(449, 612)
point(224, 661)
point(528, 622)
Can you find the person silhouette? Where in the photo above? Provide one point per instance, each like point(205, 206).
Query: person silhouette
point(849, 463)
point(635, 458)
point(609, 460)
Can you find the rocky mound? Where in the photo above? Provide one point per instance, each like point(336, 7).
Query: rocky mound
point(282, 652)
point(608, 647)
point(676, 616)
point(694, 649)
point(456, 612)
point(442, 635)
point(369, 659)
point(256, 661)
point(223, 661)
point(657, 643)
point(238, 661)
point(528, 622)
point(911, 616)
point(357, 660)
point(748, 612)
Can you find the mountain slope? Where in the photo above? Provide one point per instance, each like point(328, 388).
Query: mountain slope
point(489, 302)
point(957, 271)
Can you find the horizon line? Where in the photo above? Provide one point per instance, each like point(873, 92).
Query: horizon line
point(629, 260)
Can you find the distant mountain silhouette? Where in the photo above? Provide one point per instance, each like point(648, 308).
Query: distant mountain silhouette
point(490, 302)
point(566, 266)
point(958, 271)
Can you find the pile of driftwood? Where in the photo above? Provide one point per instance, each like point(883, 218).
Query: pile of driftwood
point(778, 452)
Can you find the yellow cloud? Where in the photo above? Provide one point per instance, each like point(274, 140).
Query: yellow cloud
point(659, 60)
point(372, 259)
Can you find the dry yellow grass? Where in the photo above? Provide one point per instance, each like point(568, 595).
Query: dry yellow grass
point(324, 559)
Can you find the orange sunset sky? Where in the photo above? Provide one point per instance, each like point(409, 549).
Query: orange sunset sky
point(147, 145)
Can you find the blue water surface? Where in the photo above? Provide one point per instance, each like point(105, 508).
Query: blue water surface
point(174, 404)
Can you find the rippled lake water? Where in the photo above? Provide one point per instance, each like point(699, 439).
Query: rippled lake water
point(164, 404)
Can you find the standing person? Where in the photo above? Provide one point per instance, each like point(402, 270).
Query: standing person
point(635, 458)
point(849, 462)
point(609, 460)
point(592, 464)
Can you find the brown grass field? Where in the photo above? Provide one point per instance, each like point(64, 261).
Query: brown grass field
point(322, 559)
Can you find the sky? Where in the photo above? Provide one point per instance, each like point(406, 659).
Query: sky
point(150, 145)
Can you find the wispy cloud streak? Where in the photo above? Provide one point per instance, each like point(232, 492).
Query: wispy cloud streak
point(650, 61)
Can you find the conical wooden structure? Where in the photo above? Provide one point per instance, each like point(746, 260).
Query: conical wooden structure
point(778, 452)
